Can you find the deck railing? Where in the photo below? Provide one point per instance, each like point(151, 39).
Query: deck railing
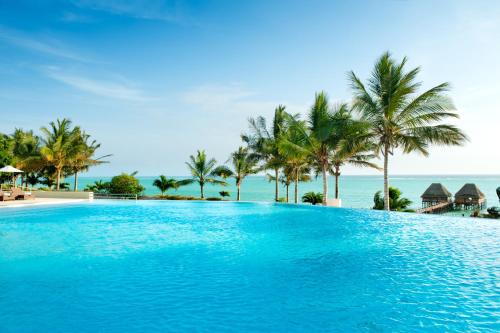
point(115, 196)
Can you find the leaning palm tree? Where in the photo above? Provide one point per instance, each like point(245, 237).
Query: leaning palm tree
point(264, 142)
point(243, 164)
point(60, 146)
point(399, 116)
point(202, 171)
point(164, 184)
point(83, 157)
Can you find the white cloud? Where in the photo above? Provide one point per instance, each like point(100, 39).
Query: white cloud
point(105, 88)
point(52, 48)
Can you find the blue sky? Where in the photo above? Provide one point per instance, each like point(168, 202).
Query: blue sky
point(154, 81)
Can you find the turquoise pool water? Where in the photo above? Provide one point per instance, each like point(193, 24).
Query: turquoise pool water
point(244, 267)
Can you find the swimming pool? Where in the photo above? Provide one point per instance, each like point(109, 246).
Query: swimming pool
point(212, 267)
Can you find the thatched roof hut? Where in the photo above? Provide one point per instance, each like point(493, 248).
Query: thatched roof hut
point(435, 193)
point(470, 195)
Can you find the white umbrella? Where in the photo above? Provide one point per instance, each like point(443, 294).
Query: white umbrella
point(11, 169)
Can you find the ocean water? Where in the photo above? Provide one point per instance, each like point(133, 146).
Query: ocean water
point(158, 266)
point(355, 191)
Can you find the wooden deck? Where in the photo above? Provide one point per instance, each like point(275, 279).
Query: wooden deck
point(436, 209)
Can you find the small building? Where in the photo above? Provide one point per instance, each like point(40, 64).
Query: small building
point(436, 194)
point(470, 197)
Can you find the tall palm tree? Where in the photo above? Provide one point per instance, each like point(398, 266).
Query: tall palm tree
point(60, 146)
point(83, 157)
point(25, 152)
point(317, 138)
point(264, 142)
point(243, 164)
point(202, 171)
point(296, 156)
point(164, 184)
point(399, 116)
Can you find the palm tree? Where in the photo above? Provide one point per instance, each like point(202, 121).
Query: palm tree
point(284, 178)
point(243, 164)
point(32, 179)
point(296, 156)
point(83, 157)
point(356, 148)
point(224, 194)
point(357, 154)
point(397, 203)
point(264, 142)
point(312, 198)
point(164, 184)
point(323, 132)
point(202, 171)
point(99, 186)
point(401, 118)
point(60, 146)
point(25, 152)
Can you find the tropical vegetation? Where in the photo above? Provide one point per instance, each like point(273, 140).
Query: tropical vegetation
point(60, 151)
point(164, 184)
point(399, 116)
point(203, 171)
point(397, 203)
point(313, 198)
point(243, 164)
point(387, 113)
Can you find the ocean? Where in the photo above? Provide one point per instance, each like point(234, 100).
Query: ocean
point(355, 191)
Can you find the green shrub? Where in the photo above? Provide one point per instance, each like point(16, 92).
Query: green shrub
point(213, 199)
point(313, 198)
point(396, 203)
point(224, 194)
point(125, 184)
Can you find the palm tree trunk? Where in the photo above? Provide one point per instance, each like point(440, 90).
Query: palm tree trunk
point(238, 185)
point(276, 185)
point(325, 183)
point(75, 186)
point(287, 192)
point(58, 179)
point(296, 200)
point(201, 191)
point(386, 178)
point(337, 174)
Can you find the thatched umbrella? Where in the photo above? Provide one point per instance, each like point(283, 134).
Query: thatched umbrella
point(15, 172)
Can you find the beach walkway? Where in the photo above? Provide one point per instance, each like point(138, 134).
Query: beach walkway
point(436, 209)
point(38, 201)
